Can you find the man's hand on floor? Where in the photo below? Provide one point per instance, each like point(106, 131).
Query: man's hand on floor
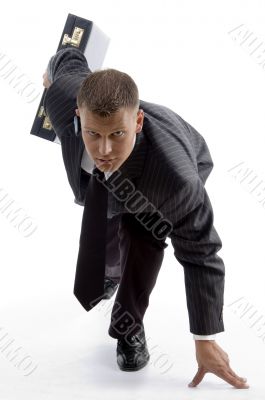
point(212, 359)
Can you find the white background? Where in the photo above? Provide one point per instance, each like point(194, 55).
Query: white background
point(181, 55)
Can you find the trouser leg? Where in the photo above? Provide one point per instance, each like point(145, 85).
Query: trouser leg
point(141, 258)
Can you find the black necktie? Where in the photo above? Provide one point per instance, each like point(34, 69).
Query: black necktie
point(90, 269)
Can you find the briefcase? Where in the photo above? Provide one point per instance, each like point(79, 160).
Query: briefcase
point(88, 38)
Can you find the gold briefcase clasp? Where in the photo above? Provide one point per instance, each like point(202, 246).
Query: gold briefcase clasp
point(46, 122)
point(76, 38)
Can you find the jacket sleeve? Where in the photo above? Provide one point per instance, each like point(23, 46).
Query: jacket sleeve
point(196, 243)
point(60, 102)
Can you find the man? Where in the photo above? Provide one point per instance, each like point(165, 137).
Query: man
point(161, 164)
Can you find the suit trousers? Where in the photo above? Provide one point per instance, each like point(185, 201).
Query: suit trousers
point(141, 256)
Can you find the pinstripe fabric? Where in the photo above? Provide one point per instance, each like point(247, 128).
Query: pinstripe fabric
point(60, 104)
point(169, 164)
point(59, 63)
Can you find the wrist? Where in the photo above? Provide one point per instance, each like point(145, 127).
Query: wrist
point(201, 343)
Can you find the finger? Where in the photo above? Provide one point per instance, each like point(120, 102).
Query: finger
point(222, 353)
point(236, 376)
point(229, 378)
point(238, 383)
point(198, 377)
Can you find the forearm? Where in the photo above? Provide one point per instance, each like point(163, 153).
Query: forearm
point(204, 297)
point(204, 276)
point(196, 244)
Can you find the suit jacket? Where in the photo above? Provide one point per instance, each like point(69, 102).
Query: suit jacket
point(169, 165)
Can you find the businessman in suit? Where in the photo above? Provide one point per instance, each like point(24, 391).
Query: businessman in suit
point(153, 166)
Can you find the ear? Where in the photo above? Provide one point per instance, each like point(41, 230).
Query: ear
point(77, 112)
point(140, 120)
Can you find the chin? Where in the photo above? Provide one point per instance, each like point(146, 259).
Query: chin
point(107, 168)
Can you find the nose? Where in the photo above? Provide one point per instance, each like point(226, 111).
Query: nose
point(105, 147)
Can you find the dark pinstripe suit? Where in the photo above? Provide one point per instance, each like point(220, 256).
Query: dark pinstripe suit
point(169, 164)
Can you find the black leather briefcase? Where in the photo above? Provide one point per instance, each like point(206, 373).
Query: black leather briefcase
point(88, 38)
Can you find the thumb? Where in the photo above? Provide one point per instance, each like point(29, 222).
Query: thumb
point(198, 377)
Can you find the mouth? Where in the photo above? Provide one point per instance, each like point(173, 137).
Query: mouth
point(105, 161)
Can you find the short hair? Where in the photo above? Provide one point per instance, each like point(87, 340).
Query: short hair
point(106, 91)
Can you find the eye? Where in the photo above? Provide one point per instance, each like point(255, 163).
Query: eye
point(118, 134)
point(91, 133)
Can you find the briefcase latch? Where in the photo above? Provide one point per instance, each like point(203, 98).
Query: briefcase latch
point(75, 40)
point(46, 122)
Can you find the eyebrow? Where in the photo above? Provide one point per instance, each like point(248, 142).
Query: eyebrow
point(117, 130)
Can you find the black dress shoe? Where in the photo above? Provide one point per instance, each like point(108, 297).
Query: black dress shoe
point(132, 352)
point(110, 287)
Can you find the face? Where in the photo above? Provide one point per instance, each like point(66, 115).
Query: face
point(110, 140)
